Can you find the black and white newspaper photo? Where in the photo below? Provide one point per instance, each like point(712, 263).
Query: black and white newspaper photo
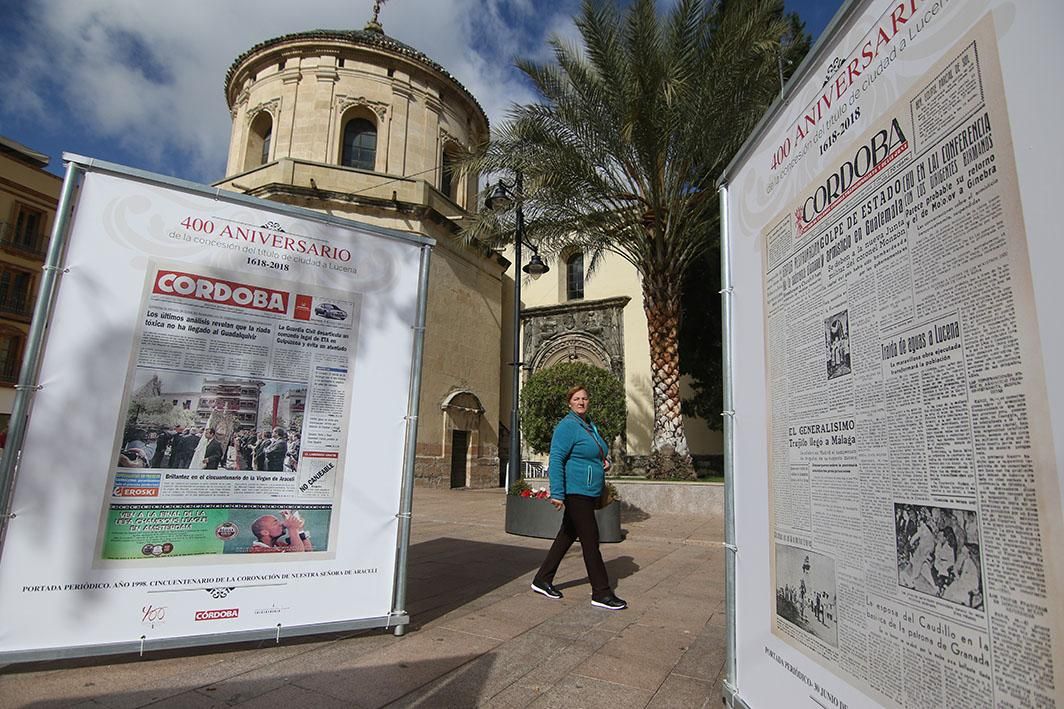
point(806, 592)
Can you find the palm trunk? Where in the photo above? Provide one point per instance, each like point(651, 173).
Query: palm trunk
point(669, 456)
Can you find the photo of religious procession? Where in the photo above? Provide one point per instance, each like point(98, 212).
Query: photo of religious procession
point(806, 592)
point(837, 341)
point(938, 552)
point(194, 421)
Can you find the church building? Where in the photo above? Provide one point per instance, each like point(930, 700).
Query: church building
point(358, 125)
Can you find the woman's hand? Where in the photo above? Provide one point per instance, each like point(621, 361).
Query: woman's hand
point(558, 504)
point(606, 465)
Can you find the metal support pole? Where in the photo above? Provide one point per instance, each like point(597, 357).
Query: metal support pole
point(513, 472)
point(31, 359)
point(413, 401)
point(731, 697)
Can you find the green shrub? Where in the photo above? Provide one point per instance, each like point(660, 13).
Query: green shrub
point(543, 402)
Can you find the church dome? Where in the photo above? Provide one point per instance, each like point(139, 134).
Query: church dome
point(370, 39)
point(358, 104)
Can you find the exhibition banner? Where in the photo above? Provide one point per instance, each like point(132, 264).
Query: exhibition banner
point(904, 461)
point(217, 444)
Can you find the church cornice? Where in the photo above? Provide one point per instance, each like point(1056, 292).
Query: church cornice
point(575, 306)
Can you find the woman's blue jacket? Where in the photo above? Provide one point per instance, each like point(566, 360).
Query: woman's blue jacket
point(576, 450)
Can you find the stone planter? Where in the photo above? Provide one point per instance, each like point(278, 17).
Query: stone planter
point(530, 517)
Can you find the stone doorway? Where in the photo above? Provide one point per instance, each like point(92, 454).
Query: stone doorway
point(459, 458)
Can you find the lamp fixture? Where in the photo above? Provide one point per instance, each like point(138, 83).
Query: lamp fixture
point(535, 266)
point(499, 199)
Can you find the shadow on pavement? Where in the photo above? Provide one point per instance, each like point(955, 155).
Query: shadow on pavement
point(631, 513)
point(617, 569)
point(171, 653)
point(444, 574)
point(369, 684)
point(447, 573)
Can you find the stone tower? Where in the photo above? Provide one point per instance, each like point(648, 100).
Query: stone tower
point(359, 125)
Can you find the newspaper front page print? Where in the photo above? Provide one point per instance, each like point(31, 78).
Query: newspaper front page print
point(914, 499)
point(231, 440)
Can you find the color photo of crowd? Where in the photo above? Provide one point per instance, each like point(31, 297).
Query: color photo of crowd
point(938, 552)
point(202, 448)
point(187, 420)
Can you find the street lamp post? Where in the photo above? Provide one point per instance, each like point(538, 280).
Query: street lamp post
point(503, 196)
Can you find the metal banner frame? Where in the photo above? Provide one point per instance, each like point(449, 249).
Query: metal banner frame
point(28, 385)
point(731, 691)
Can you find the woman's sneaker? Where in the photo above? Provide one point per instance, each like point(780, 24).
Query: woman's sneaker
point(610, 603)
point(546, 589)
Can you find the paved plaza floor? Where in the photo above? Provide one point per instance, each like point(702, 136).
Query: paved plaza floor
point(479, 637)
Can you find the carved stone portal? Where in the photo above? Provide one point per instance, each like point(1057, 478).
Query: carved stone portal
point(589, 331)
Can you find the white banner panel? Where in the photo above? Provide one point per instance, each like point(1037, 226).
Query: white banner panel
point(218, 442)
point(897, 434)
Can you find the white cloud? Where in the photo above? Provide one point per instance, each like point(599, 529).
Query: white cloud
point(148, 75)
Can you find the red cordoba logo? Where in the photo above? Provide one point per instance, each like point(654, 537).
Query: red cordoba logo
point(195, 287)
point(218, 614)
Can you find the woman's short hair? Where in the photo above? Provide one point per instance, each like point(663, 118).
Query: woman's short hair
point(572, 392)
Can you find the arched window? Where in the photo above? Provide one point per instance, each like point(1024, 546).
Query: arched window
point(266, 139)
point(360, 144)
point(452, 178)
point(574, 276)
point(259, 138)
point(11, 342)
point(447, 175)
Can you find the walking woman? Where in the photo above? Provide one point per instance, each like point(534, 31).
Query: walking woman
point(577, 470)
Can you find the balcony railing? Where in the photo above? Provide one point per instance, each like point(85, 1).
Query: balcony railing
point(31, 245)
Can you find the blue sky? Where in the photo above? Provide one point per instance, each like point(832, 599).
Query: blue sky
point(139, 82)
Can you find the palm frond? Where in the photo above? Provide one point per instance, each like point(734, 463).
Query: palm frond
point(620, 153)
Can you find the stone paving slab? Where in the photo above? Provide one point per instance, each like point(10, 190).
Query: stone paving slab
point(479, 636)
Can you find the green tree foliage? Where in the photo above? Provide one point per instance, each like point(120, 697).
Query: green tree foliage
point(700, 326)
point(701, 341)
point(543, 402)
point(266, 422)
point(148, 408)
point(159, 413)
point(621, 154)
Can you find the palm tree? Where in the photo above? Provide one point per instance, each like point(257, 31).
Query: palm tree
point(621, 154)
